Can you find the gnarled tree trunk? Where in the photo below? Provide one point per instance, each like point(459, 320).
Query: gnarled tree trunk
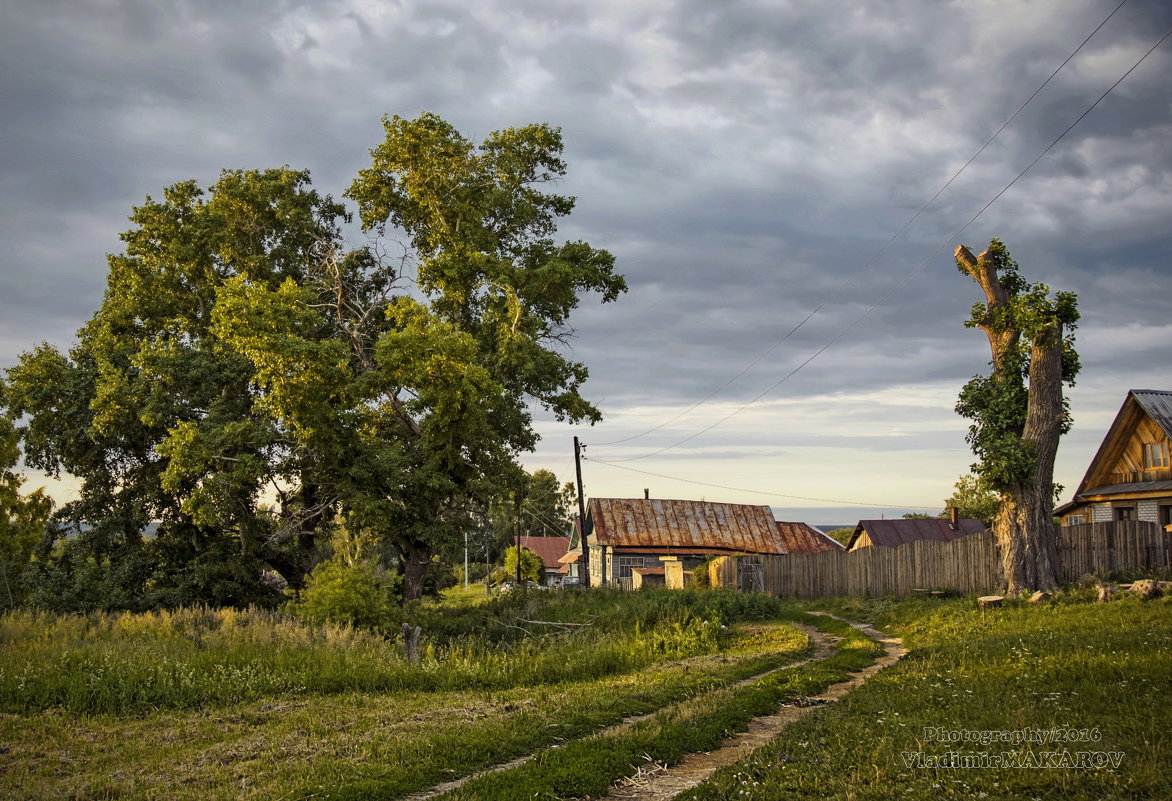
point(1024, 524)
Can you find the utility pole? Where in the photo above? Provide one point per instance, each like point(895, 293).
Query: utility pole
point(517, 533)
point(584, 560)
point(465, 558)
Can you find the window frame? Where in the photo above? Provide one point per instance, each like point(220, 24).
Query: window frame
point(625, 563)
point(1156, 455)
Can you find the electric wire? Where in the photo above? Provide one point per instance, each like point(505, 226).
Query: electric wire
point(871, 259)
point(906, 278)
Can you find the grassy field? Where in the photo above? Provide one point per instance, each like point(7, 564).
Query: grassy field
point(1096, 679)
point(223, 704)
point(215, 704)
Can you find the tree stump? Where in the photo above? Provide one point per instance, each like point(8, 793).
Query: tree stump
point(411, 642)
point(990, 601)
point(1106, 592)
point(1147, 588)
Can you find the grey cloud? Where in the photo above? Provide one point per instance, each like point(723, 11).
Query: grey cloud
point(740, 159)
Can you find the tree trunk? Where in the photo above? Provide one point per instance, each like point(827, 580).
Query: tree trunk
point(416, 561)
point(1024, 523)
point(1027, 536)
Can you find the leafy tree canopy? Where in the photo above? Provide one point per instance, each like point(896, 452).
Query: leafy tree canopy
point(248, 381)
point(22, 516)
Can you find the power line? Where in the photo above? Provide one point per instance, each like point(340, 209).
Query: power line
point(909, 276)
point(871, 259)
point(760, 492)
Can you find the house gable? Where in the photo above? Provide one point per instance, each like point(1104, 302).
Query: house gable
point(1131, 452)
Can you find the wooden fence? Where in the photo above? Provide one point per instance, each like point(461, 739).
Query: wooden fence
point(968, 564)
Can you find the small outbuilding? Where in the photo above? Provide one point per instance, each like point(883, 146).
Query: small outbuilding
point(892, 533)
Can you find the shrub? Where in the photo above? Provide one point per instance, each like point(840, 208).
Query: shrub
point(342, 592)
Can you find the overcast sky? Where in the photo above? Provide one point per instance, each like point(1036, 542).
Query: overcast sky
point(740, 159)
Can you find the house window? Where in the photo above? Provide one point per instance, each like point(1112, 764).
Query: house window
point(1155, 454)
point(1074, 520)
point(1123, 513)
point(628, 562)
point(1166, 515)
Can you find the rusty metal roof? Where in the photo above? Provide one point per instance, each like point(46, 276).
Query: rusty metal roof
point(549, 549)
point(649, 571)
point(683, 525)
point(801, 538)
point(898, 532)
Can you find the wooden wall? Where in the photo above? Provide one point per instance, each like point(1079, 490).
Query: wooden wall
point(968, 564)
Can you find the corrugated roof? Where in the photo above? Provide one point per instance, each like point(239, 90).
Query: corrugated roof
point(550, 549)
point(801, 538)
point(1158, 404)
point(683, 525)
point(1134, 486)
point(898, 532)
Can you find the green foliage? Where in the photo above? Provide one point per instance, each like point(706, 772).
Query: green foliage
point(22, 516)
point(972, 499)
point(841, 535)
point(355, 593)
point(532, 568)
point(997, 403)
point(700, 573)
point(240, 350)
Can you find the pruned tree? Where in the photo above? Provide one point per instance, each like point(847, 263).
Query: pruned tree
point(1019, 410)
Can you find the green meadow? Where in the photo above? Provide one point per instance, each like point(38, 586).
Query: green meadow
point(226, 704)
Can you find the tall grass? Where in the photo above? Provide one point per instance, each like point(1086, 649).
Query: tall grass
point(134, 663)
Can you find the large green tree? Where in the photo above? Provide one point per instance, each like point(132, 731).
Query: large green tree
point(248, 380)
point(484, 339)
point(22, 516)
point(1019, 411)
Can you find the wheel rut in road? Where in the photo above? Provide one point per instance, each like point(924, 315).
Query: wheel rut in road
point(824, 647)
point(654, 782)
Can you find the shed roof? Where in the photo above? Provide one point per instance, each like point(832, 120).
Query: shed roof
point(549, 549)
point(801, 538)
point(683, 526)
point(898, 532)
point(649, 571)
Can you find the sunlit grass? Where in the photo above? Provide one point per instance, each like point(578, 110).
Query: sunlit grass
point(302, 745)
point(136, 663)
point(1070, 665)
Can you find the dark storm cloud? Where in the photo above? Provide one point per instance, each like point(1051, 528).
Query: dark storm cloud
point(742, 160)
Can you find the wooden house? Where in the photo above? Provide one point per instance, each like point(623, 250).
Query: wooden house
point(628, 534)
point(1130, 477)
